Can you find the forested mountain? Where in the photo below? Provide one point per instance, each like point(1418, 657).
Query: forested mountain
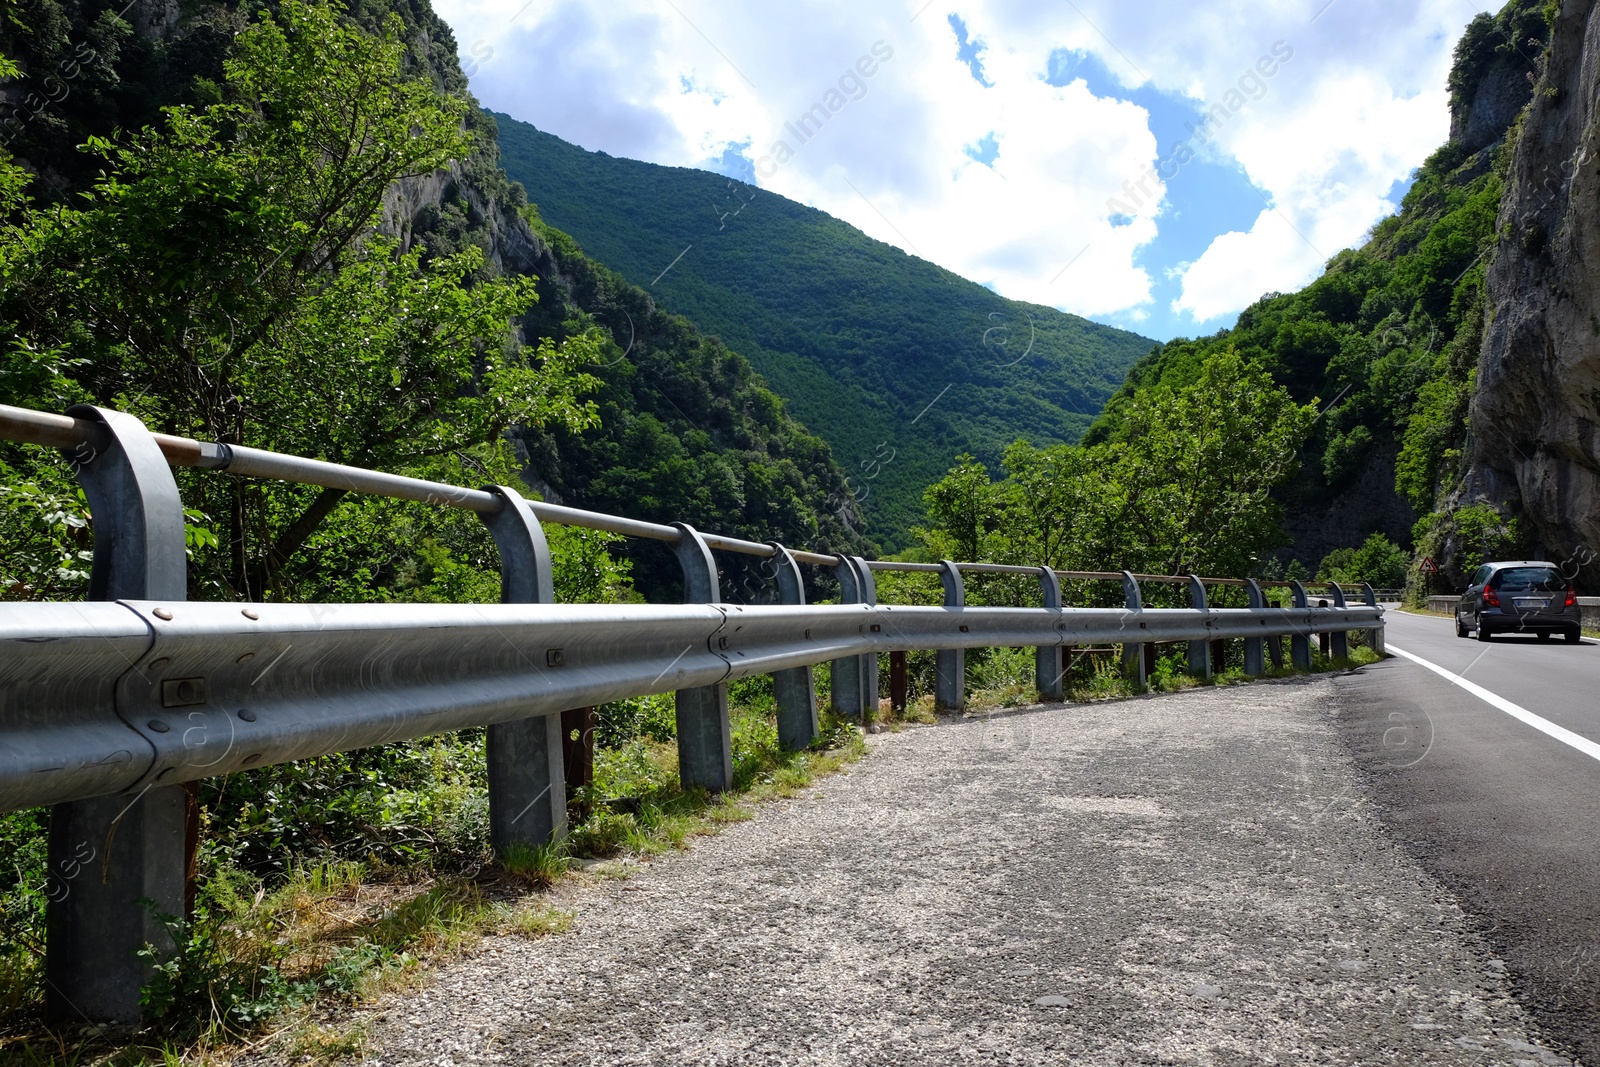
point(221, 319)
point(858, 337)
point(1388, 337)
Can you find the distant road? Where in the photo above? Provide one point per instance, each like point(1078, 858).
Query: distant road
point(1495, 787)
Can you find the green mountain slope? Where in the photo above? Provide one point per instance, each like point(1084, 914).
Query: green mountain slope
point(1388, 336)
point(858, 337)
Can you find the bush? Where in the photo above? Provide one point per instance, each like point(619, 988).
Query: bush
point(1378, 561)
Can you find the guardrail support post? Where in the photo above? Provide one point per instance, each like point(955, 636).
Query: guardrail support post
point(1199, 651)
point(526, 758)
point(1253, 651)
point(1300, 644)
point(1374, 635)
point(794, 688)
point(106, 853)
point(897, 682)
point(1133, 655)
point(950, 664)
point(1339, 639)
point(577, 752)
point(705, 736)
point(1047, 668)
point(869, 660)
point(848, 681)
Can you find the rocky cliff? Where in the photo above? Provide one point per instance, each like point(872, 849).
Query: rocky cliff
point(1535, 417)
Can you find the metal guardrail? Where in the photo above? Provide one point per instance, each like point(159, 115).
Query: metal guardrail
point(118, 697)
point(108, 708)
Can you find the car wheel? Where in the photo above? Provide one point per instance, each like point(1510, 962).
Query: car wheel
point(1483, 631)
point(1573, 637)
point(1461, 627)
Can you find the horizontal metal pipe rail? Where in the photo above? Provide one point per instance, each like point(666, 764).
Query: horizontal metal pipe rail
point(90, 438)
point(115, 697)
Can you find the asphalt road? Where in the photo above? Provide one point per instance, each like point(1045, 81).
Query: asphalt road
point(1503, 813)
point(1175, 879)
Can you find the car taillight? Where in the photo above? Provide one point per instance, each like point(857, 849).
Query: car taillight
point(1491, 598)
point(1572, 597)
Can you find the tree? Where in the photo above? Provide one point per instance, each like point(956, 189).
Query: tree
point(1379, 561)
point(1184, 486)
point(227, 278)
point(1194, 469)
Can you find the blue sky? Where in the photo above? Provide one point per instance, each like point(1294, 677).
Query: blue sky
point(1002, 138)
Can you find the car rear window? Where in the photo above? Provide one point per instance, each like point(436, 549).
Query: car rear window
point(1530, 580)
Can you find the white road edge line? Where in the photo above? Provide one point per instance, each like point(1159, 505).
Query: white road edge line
point(1543, 725)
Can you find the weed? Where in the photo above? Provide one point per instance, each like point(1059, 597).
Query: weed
point(317, 1044)
point(536, 865)
point(215, 977)
point(536, 921)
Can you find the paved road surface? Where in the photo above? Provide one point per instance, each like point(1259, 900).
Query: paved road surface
point(1186, 879)
point(1505, 815)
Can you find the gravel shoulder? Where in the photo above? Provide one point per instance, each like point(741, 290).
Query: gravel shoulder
point(1183, 879)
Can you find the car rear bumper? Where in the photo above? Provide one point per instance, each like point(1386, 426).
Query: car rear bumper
point(1501, 621)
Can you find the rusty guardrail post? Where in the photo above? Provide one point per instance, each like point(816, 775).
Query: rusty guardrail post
point(898, 695)
point(1134, 661)
point(795, 691)
point(1047, 669)
point(1300, 644)
point(1253, 652)
point(108, 853)
point(1199, 651)
point(526, 759)
point(705, 735)
point(950, 664)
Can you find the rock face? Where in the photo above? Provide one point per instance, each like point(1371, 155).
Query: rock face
point(1535, 422)
point(1494, 106)
point(1367, 505)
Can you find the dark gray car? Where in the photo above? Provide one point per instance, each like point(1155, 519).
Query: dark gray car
point(1524, 597)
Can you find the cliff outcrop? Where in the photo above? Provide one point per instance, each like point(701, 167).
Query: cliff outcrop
point(1535, 418)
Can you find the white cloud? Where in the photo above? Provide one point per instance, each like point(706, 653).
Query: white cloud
point(1360, 104)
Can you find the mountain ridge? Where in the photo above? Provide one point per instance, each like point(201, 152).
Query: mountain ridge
point(899, 364)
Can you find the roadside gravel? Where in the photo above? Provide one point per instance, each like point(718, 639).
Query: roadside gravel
point(1182, 879)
